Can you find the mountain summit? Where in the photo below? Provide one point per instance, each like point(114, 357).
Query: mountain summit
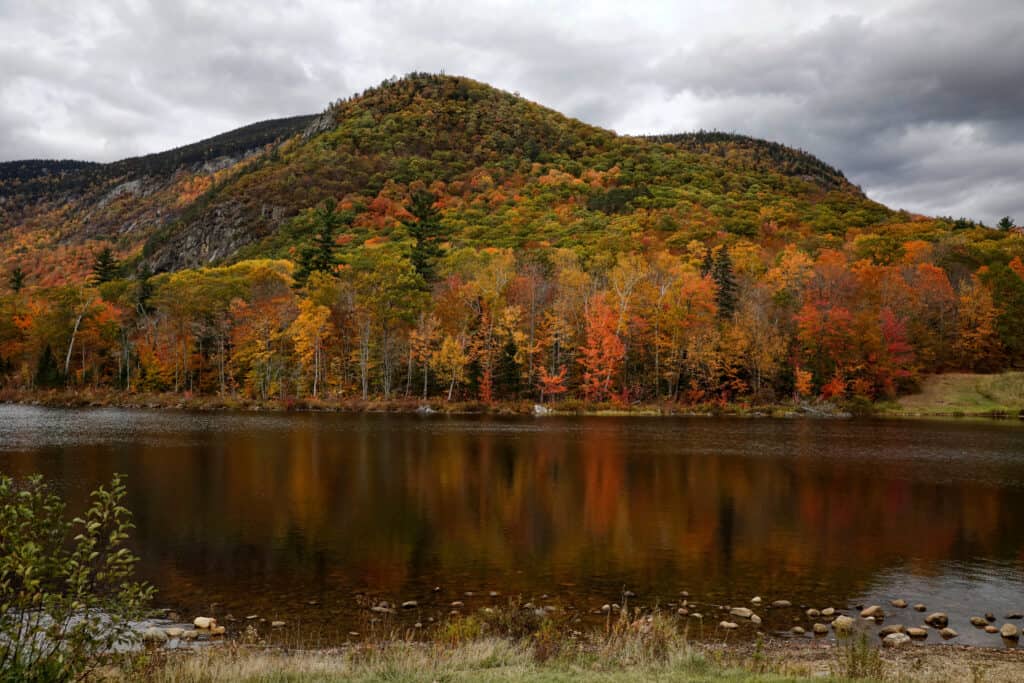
point(505, 172)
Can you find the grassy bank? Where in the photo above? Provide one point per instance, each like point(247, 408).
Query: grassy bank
point(965, 394)
point(651, 652)
point(99, 398)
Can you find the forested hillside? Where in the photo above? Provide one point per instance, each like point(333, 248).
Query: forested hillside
point(437, 237)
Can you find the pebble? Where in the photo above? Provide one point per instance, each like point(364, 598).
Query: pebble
point(728, 625)
point(252, 617)
point(937, 620)
point(608, 608)
point(204, 622)
point(978, 622)
point(919, 607)
point(990, 617)
point(820, 629)
point(813, 613)
point(696, 615)
point(741, 612)
point(889, 630)
point(948, 633)
point(798, 630)
point(174, 632)
point(754, 619)
point(989, 628)
point(409, 604)
point(782, 603)
point(459, 603)
point(898, 602)
point(756, 600)
point(828, 611)
point(917, 632)
point(682, 611)
point(218, 631)
point(276, 624)
point(872, 612)
point(1015, 615)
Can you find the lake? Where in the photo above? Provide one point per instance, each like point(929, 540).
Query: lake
point(313, 518)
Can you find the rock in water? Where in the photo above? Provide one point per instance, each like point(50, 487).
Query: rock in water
point(820, 629)
point(741, 612)
point(896, 640)
point(798, 630)
point(1010, 632)
point(889, 630)
point(917, 632)
point(978, 622)
point(409, 604)
point(948, 633)
point(872, 612)
point(754, 619)
point(782, 603)
point(813, 613)
point(898, 602)
point(276, 624)
point(843, 624)
point(828, 611)
point(937, 620)
point(204, 622)
point(728, 625)
point(919, 607)
point(989, 628)
point(174, 632)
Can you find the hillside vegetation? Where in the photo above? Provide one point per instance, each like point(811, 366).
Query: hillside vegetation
point(436, 237)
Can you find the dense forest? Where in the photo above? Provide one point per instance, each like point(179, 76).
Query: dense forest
point(437, 238)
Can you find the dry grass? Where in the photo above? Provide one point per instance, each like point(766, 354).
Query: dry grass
point(967, 394)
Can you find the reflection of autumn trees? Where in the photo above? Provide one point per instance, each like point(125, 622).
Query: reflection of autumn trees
point(389, 503)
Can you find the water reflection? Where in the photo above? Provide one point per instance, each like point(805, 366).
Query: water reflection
point(262, 513)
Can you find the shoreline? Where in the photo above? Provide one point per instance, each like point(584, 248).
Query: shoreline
point(213, 403)
point(632, 650)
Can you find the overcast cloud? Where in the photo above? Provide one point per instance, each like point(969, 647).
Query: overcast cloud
point(921, 102)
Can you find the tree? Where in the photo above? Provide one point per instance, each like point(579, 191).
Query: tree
point(308, 332)
point(319, 256)
point(603, 353)
point(450, 362)
point(977, 345)
point(1005, 223)
point(104, 266)
point(16, 279)
point(725, 283)
point(551, 384)
point(66, 588)
point(424, 227)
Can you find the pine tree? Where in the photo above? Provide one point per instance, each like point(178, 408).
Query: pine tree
point(508, 370)
point(104, 266)
point(425, 228)
point(725, 284)
point(1005, 223)
point(48, 372)
point(16, 279)
point(320, 256)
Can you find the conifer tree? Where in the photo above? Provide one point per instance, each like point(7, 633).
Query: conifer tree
point(725, 284)
point(16, 279)
point(104, 266)
point(320, 255)
point(425, 228)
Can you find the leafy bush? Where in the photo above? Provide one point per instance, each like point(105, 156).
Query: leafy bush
point(66, 589)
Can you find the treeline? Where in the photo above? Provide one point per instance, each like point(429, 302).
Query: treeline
point(707, 323)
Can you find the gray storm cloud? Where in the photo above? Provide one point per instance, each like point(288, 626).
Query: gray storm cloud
point(919, 102)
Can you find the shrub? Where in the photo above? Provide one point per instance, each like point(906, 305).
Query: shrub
point(66, 589)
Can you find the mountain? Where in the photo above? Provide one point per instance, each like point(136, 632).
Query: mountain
point(507, 172)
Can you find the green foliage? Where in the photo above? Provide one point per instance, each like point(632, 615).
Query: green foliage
point(104, 266)
point(427, 233)
point(725, 284)
point(1005, 223)
point(320, 255)
point(66, 589)
point(16, 279)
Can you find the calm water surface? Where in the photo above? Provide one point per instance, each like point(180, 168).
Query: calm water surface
point(264, 514)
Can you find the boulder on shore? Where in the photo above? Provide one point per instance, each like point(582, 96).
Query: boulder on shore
point(896, 640)
point(843, 624)
point(937, 620)
point(204, 622)
point(1010, 632)
point(917, 632)
point(155, 636)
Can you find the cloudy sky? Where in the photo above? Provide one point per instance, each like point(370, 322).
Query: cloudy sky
point(921, 102)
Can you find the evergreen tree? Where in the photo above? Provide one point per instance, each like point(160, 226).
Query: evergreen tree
point(48, 372)
point(508, 371)
point(104, 266)
point(16, 279)
point(320, 256)
point(708, 264)
point(425, 228)
point(725, 284)
point(1005, 223)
